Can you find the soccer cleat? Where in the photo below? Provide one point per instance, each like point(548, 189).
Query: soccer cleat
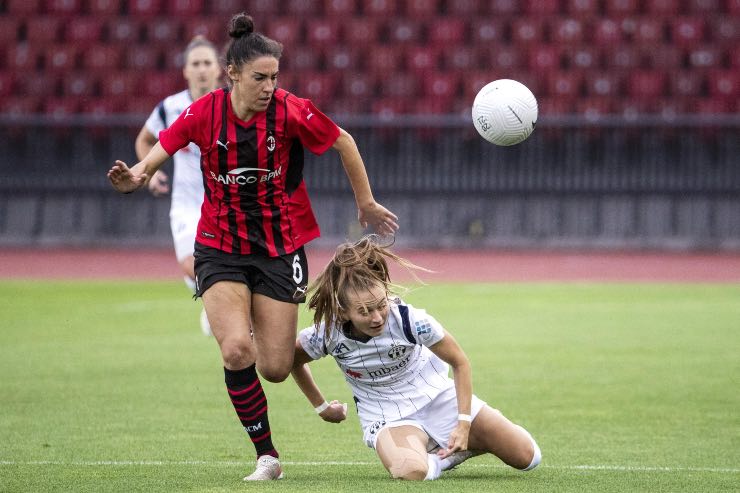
point(205, 325)
point(268, 468)
point(454, 460)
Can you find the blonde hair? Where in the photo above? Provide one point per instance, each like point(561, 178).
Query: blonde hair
point(354, 267)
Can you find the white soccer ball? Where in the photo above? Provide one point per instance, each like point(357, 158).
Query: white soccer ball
point(505, 112)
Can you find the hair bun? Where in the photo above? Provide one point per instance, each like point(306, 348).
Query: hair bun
point(241, 25)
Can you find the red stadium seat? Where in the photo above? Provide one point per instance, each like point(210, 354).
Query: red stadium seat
point(649, 30)
point(706, 56)
point(607, 32)
point(348, 106)
point(504, 58)
point(711, 106)
point(663, 56)
point(340, 8)
point(464, 8)
point(422, 58)
point(100, 107)
point(419, 9)
point(214, 29)
point(550, 105)
point(104, 7)
point(582, 57)
point(384, 59)
point(502, 7)
point(724, 83)
point(688, 32)
point(379, 8)
point(704, 6)
point(79, 84)
point(62, 58)
point(545, 57)
point(144, 8)
point(22, 7)
point(22, 57)
point(9, 29)
point(43, 30)
point(431, 106)
point(124, 30)
point(287, 30)
point(100, 57)
point(302, 58)
point(184, 8)
point(321, 32)
point(39, 84)
point(567, 31)
point(260, 9)
point(646, 84)
point(441, 85)
point(225, 8)
point(474, 82)
point(86, 31)
point(599, 84)
point(360, 86)
point(663, 8)
point(527, 30)
point(318, 86)
point(594, 107)
point(19, 105)
point(582, 8)
point(141, 105)
point(542, 7)
point(403, 85)
point(61, 107)
point(142, 57)
point(461, 58)
point(564, 84)
point(686, 84)
point(361, 32)
point(621, 8)
point(446, 31)
point(735, 57)
point(620, 57)
point(7, 82)
point(487, 31)
point(733, 7)
point(724, 30)
point(342, 57)
point(162, 84)
point(121, 84)
point(404, 31)
point(163, 31)
point(303, 8)
point(64, 7)
point(389, 107)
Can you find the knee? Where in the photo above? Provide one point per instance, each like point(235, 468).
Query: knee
point(236, 353)
point(274, 374)
point(409, 469)
point(529, 455)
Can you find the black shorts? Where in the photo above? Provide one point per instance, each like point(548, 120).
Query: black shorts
point(282, 278)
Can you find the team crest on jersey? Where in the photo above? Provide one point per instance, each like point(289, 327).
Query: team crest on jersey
point(270, 143)
point(340, 351)
point(422, 327)
point(396, 351)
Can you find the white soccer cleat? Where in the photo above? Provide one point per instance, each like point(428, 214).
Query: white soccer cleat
point(205, 325)
point(454, 460)
point(268, 468)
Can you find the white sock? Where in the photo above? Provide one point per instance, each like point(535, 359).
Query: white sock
point(434, 467)
point(537, 457)
point(189, 283)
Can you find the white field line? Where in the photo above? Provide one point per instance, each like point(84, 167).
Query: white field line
point(584, 467)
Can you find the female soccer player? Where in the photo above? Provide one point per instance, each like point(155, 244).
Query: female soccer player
point(250, 264)
point(202, 72)
point(394, 358)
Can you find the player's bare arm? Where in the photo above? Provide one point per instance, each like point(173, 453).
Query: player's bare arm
point(127, 180)
point(334, 411)
point(145, 141)
point(370, 212)
point(451, 353)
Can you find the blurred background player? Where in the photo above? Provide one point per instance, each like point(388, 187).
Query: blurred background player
point(202, 72)
point(250, 264)
point(394, 358)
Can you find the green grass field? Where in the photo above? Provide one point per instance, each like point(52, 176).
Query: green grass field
point(110, 386)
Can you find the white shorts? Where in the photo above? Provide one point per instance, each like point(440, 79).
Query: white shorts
point(184, 226)
point(437, 419)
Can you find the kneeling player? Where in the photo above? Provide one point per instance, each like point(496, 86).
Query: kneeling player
point(395, 359)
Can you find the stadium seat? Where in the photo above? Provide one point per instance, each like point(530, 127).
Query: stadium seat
point(99, 106)
point(19, 105)
point(356, 85)
point(733, 7)
point(463, 58)
point(22, 57)
point(348, 106)
point(43, 30)
point(712, 106)
point(620, 8)
point(446, 31)
point(703, 7)
point(464, 8)
point(686, 84)
point(649, 30)
point(162, 84)
point(9, 29)
point(441, 85)
point(420, 9)
point(475, 80)
point(735, 56)
point(163, 31)
point(84, 31)
point(502, 7)
point(582, 8)
point(6, 84)
point(564, 84)
point(544, 57)
point(61, 107)
point(121, 84)
point(361, 32)
point(662, 8)
point(706, 56)
point(551, 105)
point(379, 8)
point(340, 8)
point(404, 85)
point(527, 30)
point(389, 107)
point(543, 8)
point(622, 57)
point(646, 84)
point(142, 57)
point(302, 58)
point(102, 57)
point(63, 58)
point(341, 57)
point(225, 8)
point(303, 8)
point(104, 7)
point(504, 58)
point(64, 7)
point(582, 57)
point(422, 58)
point(431, 106)
point(487, 31)
point(404, 31)
point(724, 29)
point(607, 32)
point(724, 83)
point(318, 86)
point(144, 8)
point(287, 30)
point(566, 31)
point(23, 7)
point(593, 107)
point(79, 84)
point(600, 84)
point(663, 56)
point(185, 8)
point(213, 28)
point(384, 59)
point(124, 30)
point(687, 32)
point(323, 31)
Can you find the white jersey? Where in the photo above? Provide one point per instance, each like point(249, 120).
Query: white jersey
point(187, 179)
point(392, 375)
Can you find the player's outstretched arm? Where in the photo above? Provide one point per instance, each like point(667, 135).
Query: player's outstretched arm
point(370, 212)
point(127, 180)
point(334, 411)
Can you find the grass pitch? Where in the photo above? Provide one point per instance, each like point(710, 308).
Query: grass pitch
point(110, 386)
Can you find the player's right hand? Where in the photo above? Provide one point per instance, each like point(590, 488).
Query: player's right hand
point(123, 179)
point(335, 413)
point(158, 184)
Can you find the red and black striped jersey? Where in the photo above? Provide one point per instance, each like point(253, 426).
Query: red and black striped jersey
point(255, 198)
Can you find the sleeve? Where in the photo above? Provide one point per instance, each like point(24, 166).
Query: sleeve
point(156, 121)
point(316, 131)
point(312, 340)
point(426, 329)
point(188, 127)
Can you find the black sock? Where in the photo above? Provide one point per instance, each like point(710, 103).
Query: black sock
point(250, 404)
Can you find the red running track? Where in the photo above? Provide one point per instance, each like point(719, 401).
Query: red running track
point(449, 265)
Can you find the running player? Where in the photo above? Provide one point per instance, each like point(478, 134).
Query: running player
point(395, 359)
point(202, 72)
point(250, 265)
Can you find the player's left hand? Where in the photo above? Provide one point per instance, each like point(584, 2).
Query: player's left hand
point(335, 413)
point(123, 179)
point(383, 221)
point(458, 440)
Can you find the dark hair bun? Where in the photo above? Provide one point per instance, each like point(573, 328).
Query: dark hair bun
point(241, 25)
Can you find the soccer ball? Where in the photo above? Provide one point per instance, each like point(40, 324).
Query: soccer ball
point(505, 112)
